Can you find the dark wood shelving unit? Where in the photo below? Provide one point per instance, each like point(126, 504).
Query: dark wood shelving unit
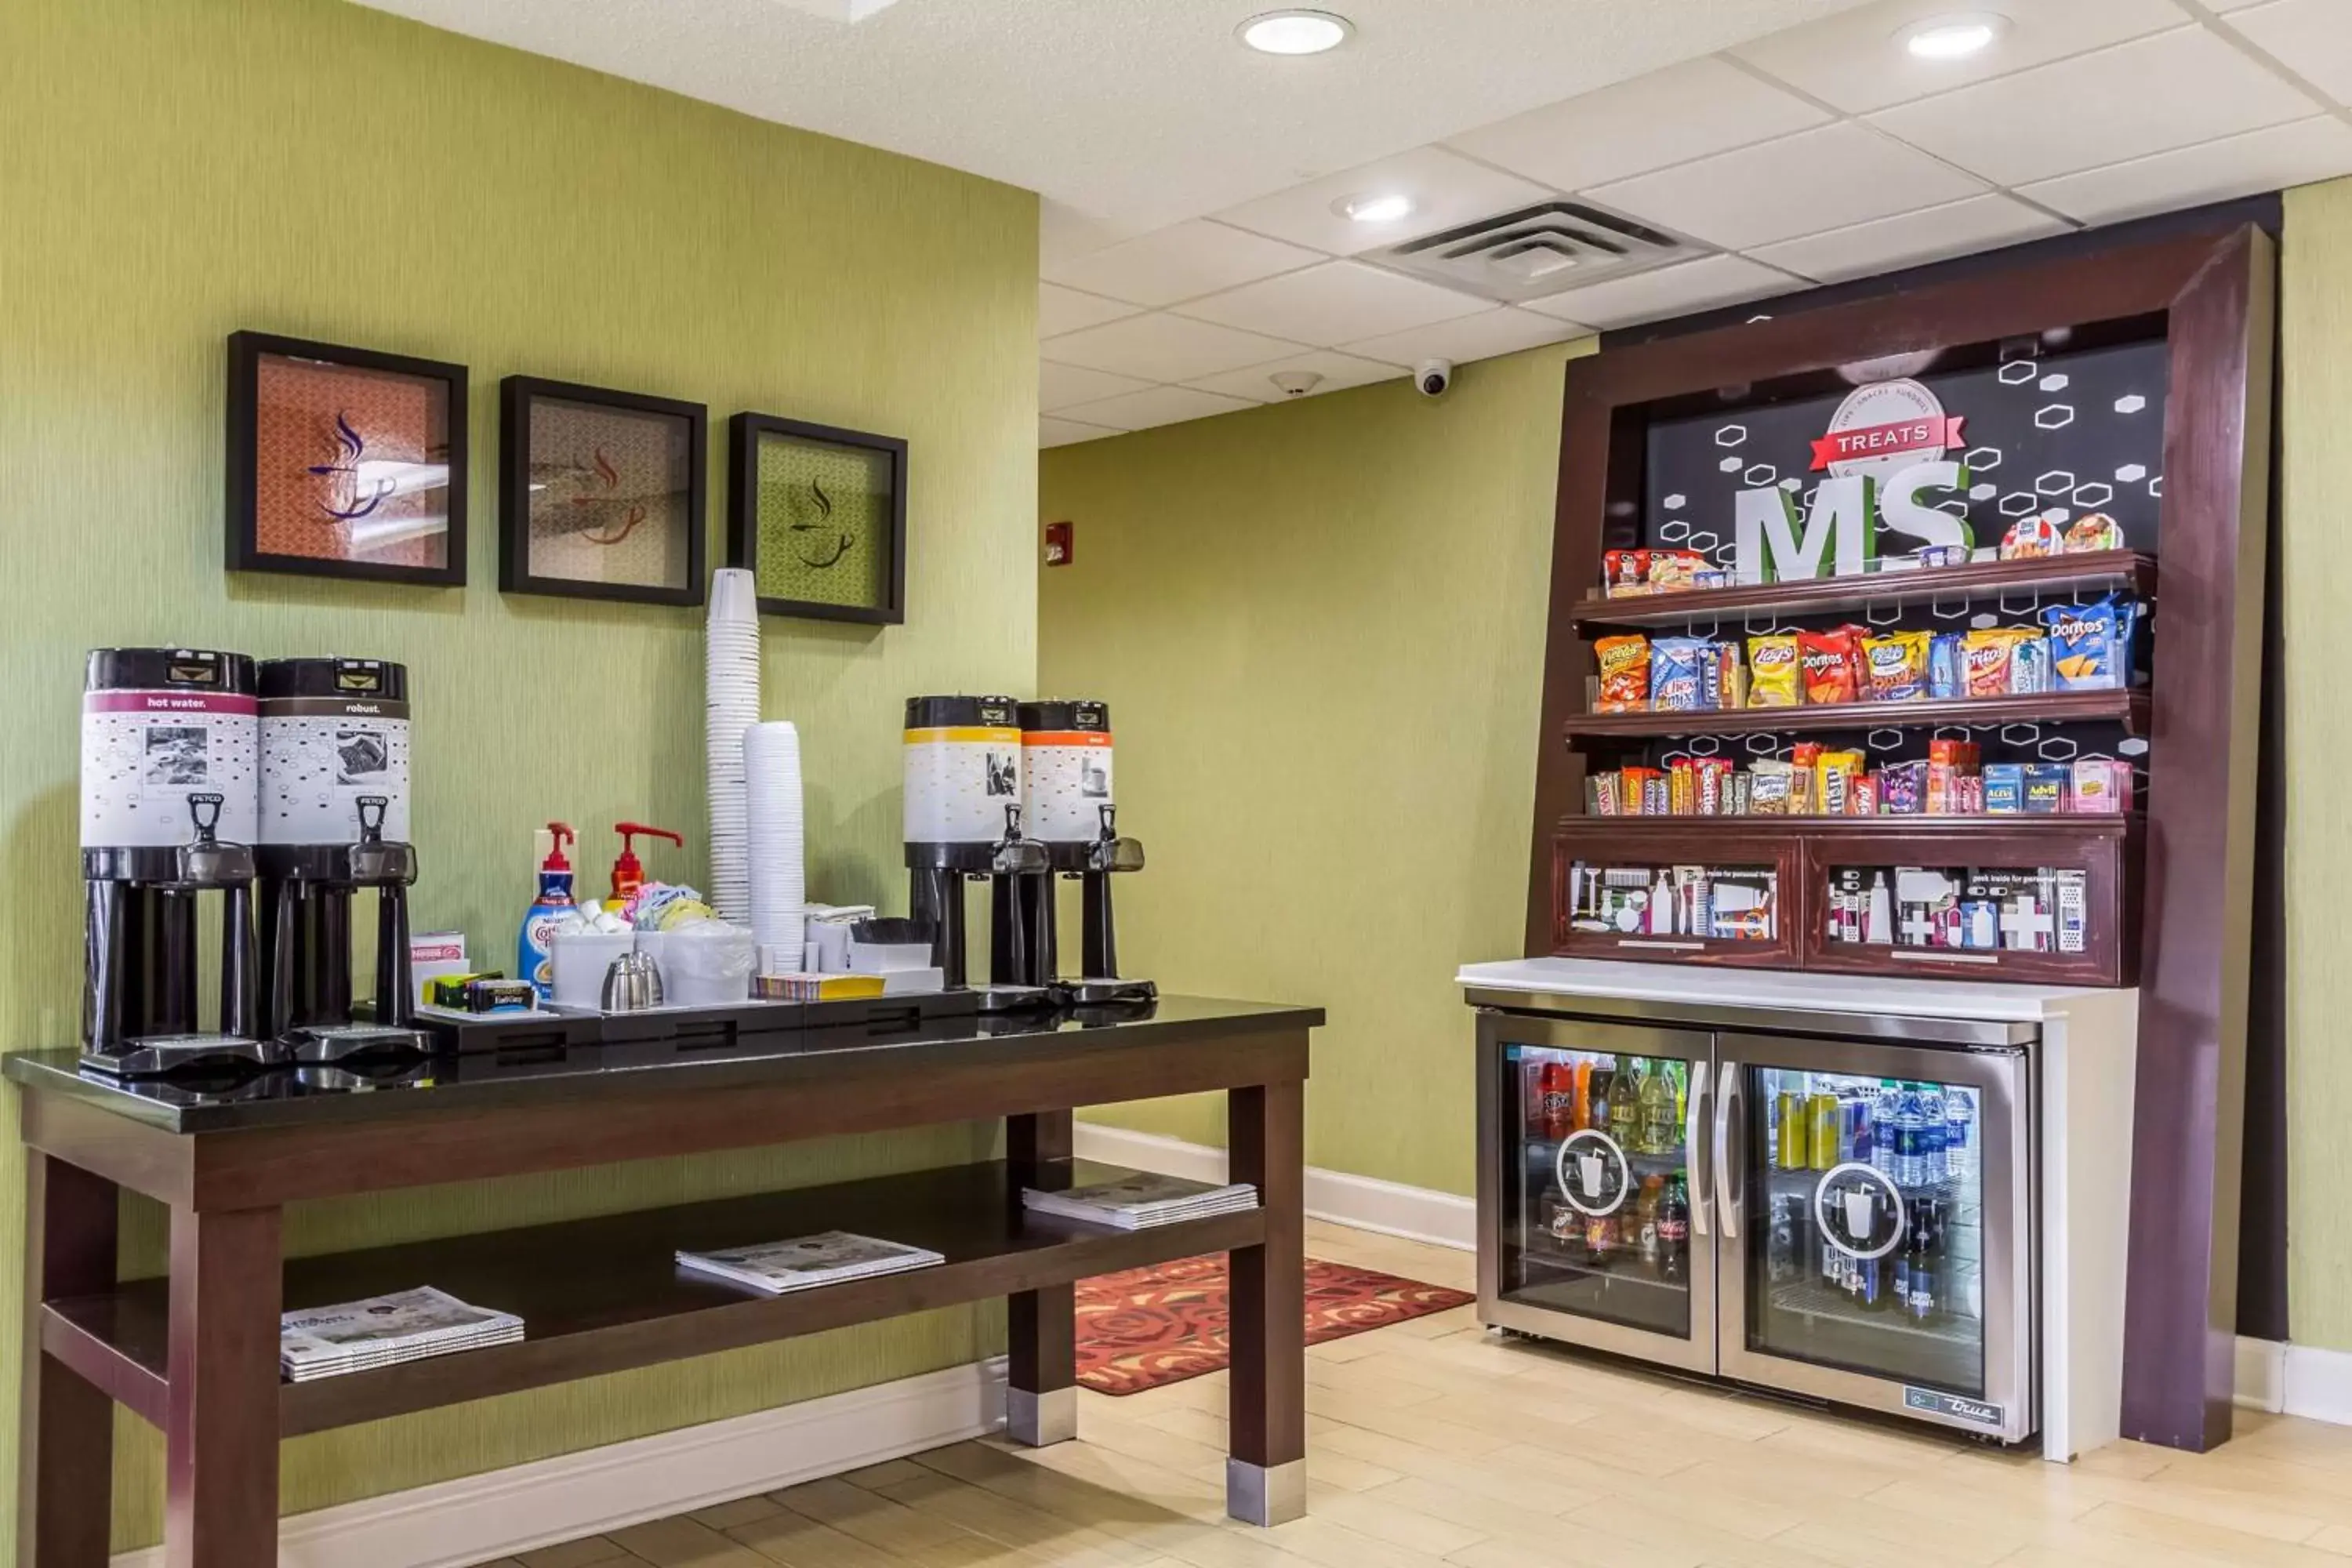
point(2058, 825)
point(2129, 708)
point(2097, 571)
point(606, 1295)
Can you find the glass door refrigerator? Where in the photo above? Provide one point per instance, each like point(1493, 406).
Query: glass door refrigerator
point(1846, 1219)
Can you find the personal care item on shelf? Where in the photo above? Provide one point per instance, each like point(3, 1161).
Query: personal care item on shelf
point(1775, 678)
point(1878, 911)
point(386, 1331)
point(1142, 1201)
point(1903, 788)
point(1661, 906)
point(549, 910)
point(1671, 571)
point(1945, 663)
point(2069, 904)
point(1831, 664)
point(2045, 786)
point(1897, 666)
point(433, 955)
point(2100, 785)
point(803, 986)
point(1626, 572)
point(628, 872)
point(1624, 664)
point(2029, 539)
point(2090, 644)
point(807, 1262)
point(731, 705)
point(2004, 789)
point(2093, 531)
point(1678, 674)
point(1743, 906)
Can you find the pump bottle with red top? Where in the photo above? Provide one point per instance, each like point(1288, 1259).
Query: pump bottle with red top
point(628, 873)
point(532, 959)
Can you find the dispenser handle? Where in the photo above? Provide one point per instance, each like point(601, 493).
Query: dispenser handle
point(372, 809)
point(204, 812)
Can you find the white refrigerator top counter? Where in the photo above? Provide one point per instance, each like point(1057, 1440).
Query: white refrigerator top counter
point(1697, 985)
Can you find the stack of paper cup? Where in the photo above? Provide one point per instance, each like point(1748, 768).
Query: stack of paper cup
point(772, 773)
point(731, 674)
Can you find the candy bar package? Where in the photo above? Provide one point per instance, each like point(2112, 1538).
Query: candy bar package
point(1625, 674)
point(1903, 788)
point(2090, 644)
point(1831, 664)
point(1774, 677)
point(1836, 775)
point(1987, 658)
point(1730, 675)
point(1897, 666)
point(1679, 671)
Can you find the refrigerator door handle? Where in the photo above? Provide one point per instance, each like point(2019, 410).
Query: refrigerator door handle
point(1695, 1136)
point(1730, 1107)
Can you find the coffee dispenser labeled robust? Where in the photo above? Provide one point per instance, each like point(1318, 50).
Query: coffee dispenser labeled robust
point(1066, 754)
point(962, 819)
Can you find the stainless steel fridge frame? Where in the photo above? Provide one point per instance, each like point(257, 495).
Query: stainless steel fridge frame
point(1995, 1059)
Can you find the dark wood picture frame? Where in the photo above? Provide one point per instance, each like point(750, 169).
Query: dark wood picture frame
point(2210, 296)
point(743, 433)
point(516, 395)
point(240, 510)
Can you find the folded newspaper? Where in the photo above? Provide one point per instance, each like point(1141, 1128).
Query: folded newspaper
point(1134, 1203)
point(807, 1262)
point(385, 1330)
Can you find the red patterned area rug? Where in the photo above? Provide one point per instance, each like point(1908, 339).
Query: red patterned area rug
point(1146, 1327)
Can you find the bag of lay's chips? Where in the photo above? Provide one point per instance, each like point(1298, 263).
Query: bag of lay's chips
point(1774, 678)
point(1831, 664)
point(1680, 671)
point(2090, 644)
point(1625, 674)
point(1896, 665)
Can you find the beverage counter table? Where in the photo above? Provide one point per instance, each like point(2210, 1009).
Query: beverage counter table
point(196, 1352)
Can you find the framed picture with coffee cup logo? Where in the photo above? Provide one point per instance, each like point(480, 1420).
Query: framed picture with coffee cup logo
point(818, 515)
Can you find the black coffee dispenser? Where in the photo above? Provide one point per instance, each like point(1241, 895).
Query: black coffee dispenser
point(1067, 790)
point(963, 821)
point(167, 814)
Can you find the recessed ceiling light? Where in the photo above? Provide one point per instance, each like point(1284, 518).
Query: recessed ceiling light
point(1385, 208)
point(1953, 37)
point(1294, 32)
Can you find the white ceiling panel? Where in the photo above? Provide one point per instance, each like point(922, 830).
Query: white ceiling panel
point(1158, 405)
point(1685, 111)
point(1700, 285)
point(1060, 385)
point(1053, 432)
point(1180, 263)
point(2268, 159)
point(1839, 174)
point(2139, 98)
point(1444, 189)
point(2312, 39)
point(1856, 60)
point(1165, 348)
point(2230, 5)
point(1063, 311)
point(1979, 223)
point(1502, 330)
point(1339, 372)
point(1336, 302)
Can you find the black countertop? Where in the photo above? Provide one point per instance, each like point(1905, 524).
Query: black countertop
point(450, 1082)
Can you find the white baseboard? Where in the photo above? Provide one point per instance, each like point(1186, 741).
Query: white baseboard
point(2262, 1374)
point(476, 1518)
point(2295, 1380)
point(1364, 1203)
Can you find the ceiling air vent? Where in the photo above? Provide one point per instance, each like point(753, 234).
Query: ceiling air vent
point(1530, 252)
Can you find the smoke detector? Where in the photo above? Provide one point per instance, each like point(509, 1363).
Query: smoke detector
point(1296, 383)
point(1530, 252)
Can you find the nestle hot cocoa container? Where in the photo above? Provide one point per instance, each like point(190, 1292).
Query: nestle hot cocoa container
point(1065, 755)
point(164, 731)
point(335, 733)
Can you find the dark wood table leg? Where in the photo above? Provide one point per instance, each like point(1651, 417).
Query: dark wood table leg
point(1265, 1476)
point(70, 1490)
point(1041, 1384)
point(221, 1441)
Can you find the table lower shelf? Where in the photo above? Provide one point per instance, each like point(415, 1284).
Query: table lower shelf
point(606, 1295)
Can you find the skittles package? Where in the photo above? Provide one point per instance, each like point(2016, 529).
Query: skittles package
point(2090, 644)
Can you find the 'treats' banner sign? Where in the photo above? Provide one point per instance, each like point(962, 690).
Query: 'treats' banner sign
point(1882, 449)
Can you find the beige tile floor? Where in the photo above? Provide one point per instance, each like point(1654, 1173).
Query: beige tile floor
point(1431, 1444)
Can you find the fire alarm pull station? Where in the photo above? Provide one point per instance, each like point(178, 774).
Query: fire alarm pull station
point(1061, 544)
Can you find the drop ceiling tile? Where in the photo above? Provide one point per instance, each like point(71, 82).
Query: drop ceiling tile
point(1060, 385)
point(1856, 61)
point(1446, 189)
point(1333, 303)
point(1053, 432)
point(2268, 159)
point(2230, 5)
point(1701, 285)
point(2148, 96)
point(1502, 330)
point(1837, 175)
point(1181, 263)
point(1339, 372)
point(1162, 347)
point(2312, 39)
point(1979, 223)
point(1063, 311)
point(1685, 111)
point(1157, 405)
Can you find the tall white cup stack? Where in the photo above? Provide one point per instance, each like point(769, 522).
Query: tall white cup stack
point(772, 770)
point(731, 707)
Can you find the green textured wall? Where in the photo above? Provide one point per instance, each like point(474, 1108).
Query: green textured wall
point(2315, 341)
point(179, 169)
point(1319, 629)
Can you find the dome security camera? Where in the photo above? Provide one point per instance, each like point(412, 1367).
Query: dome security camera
point(1430, 377)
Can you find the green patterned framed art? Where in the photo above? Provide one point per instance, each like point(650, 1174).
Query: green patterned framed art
point(818, 515)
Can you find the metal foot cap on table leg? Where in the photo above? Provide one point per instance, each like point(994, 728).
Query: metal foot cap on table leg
point(1037, 1419)
point(1266, 1494)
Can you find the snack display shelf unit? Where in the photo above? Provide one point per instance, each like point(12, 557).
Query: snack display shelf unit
point(2089, 573)
point(2127, 708)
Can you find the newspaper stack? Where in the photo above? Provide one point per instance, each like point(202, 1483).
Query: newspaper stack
point(385, 1330)
point(807, 1262)
point(1136, 1202)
